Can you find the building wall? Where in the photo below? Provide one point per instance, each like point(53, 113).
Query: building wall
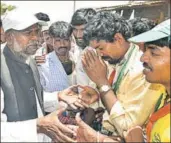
point(157, 13)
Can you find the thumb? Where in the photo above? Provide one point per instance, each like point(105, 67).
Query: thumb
point(79, 121)
point(58, 112)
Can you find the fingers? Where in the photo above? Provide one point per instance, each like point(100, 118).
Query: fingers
point(73, 106)
point(79, 120)
point(110, 140)
point(82, 87)
point(91, 56)
point(40, 59)
point(72, 127)
point(135, 134)
point(85, 66)
point(81, 104)
point(84, 104)
point(63, 137)
point(65, 129)
point(59, 111)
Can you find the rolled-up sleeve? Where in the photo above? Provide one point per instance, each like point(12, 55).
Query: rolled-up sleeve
point(24, 131)
point(120, 118)
point(135, 106)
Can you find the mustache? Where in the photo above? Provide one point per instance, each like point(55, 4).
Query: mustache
point(34, 43)
point(78, 38)
point(111, 60)
point(63, 47)
point(145, 65)
point(105, 57)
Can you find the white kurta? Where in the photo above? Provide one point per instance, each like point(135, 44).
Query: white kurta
point(26, 131)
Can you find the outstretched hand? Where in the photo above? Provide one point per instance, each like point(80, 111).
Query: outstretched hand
point(88, 94)
point(52, 127)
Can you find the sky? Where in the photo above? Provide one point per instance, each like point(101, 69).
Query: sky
point(60, 10)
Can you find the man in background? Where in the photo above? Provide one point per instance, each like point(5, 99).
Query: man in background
point(56, 73)
point(45, 40)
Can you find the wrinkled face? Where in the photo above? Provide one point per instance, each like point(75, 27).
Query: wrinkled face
point(156, 61)
point(78, 34)
point(110, 51)
point(61, 46)
point(2, 35)
point(27, 40)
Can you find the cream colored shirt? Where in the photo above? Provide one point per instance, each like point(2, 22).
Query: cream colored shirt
point(136, 97)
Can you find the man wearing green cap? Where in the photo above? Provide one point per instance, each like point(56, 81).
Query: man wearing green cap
point(156, 62)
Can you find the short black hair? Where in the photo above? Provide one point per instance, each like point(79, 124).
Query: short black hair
point(82, 16)
point(42, 16)
point(59, 29)
point(141, 25)
point(161, 42)
point(104, 25)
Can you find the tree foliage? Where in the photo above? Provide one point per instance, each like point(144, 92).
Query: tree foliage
point(4, 8)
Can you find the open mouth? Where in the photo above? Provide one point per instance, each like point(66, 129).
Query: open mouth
point(63, 49)
point(147, 69)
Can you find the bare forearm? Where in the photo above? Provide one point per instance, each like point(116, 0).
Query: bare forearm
point(108, 99)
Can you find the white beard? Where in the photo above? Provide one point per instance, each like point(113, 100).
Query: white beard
point(18, 51)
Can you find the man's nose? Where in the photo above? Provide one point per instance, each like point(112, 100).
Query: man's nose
point(145, 57)
point(79, 34)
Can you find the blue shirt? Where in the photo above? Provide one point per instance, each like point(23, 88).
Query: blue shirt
point(52, 74)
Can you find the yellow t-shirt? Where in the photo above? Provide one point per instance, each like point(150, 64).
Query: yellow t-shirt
point(161, 128)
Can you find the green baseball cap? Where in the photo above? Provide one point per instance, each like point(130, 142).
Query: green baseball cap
point(160, 31)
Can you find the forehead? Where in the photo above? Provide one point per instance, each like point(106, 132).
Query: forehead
point(79, 26)
point(34, 26)
point(163, 50)
point(95, 44)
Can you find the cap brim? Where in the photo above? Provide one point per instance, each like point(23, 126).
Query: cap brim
point(26, 25)
point(148, 36)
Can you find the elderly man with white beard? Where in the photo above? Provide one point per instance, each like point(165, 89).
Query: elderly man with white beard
point(23, 102)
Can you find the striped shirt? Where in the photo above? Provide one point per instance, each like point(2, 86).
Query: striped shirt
point(52, 74)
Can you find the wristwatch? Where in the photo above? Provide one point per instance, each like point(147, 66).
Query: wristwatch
point(104, 88)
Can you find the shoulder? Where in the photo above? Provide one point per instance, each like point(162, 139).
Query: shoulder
point(161, 129)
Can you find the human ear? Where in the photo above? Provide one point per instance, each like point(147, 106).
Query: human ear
point(119, 38)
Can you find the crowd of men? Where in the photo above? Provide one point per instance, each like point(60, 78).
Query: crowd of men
point(99, 78)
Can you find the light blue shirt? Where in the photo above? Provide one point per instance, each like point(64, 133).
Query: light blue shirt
point(52, 74)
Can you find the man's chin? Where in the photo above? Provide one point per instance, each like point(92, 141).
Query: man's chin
point(150, 79)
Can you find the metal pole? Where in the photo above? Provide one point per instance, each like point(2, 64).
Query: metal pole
point(74, 6)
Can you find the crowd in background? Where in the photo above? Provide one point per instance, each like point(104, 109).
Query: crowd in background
point(99, 78)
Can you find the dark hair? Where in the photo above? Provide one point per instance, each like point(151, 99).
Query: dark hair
point(82, 16)
point(42, 16)
point(59, 29)
point(105, 25)
point(141, 25)
point(161, 42)
point(0, 23)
